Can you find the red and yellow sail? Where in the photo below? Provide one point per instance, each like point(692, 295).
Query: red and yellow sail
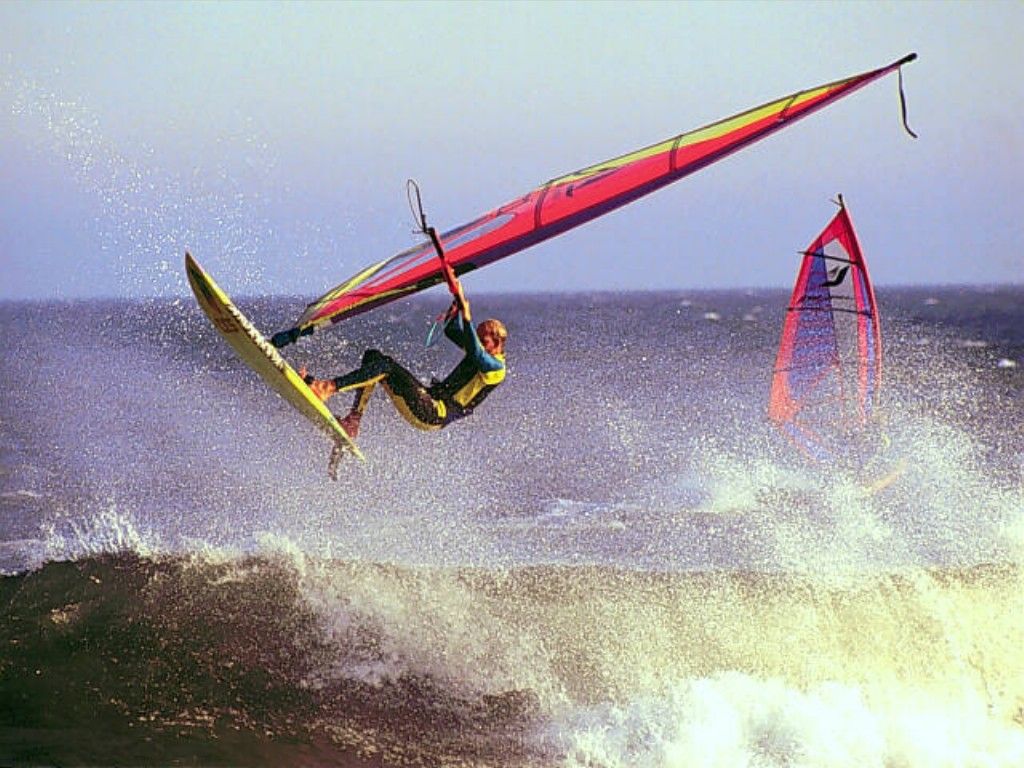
point(571, 200)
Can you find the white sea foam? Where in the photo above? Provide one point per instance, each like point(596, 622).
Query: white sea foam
point(735, 719)
point(22, 493)
point(108, 531)
point(421, 622)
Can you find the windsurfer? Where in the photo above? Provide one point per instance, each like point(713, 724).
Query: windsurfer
point(435, 406)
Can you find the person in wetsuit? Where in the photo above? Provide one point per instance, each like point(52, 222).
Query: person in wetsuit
point(473, 379)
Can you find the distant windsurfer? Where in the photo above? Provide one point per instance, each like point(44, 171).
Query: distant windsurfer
point(438, 405)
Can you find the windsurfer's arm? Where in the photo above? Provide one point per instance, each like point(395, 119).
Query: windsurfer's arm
point(461, 302)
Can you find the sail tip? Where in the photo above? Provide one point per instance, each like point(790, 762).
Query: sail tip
point(907, 59)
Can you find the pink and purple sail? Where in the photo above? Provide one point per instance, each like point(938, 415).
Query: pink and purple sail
point(828, 370)
point(569, 201)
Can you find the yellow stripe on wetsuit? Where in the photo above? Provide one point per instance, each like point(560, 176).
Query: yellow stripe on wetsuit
point(475, 385)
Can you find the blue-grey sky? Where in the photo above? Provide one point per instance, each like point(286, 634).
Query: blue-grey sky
point(274, 140)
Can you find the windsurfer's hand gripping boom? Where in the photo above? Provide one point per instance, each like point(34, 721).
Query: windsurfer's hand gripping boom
point(460, 303)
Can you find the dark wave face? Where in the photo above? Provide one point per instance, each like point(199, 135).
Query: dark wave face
point(124, 660)
point(280, 660)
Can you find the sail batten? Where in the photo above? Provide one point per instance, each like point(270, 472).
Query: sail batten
point(568, 201)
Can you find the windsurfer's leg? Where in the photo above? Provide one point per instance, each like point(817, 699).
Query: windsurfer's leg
point(363, 398)
point(410, 397)
point(415, 404)
point(350, 422)
point(372, 369)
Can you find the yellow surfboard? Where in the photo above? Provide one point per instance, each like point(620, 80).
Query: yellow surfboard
point(260, 355)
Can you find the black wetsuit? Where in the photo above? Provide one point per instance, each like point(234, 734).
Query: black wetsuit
point(438, 405)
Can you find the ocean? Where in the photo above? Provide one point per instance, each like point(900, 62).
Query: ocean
point(616, 562)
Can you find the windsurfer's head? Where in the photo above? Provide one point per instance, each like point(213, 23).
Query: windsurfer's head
point(492, 335)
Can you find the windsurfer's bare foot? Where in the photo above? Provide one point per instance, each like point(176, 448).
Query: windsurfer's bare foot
point(351, 423)
point(322, 388)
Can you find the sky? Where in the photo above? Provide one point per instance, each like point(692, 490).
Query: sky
point(274, 140)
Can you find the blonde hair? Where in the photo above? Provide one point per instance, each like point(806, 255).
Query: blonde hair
point(495, 328)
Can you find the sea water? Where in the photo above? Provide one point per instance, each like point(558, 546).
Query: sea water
point(617, 561)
